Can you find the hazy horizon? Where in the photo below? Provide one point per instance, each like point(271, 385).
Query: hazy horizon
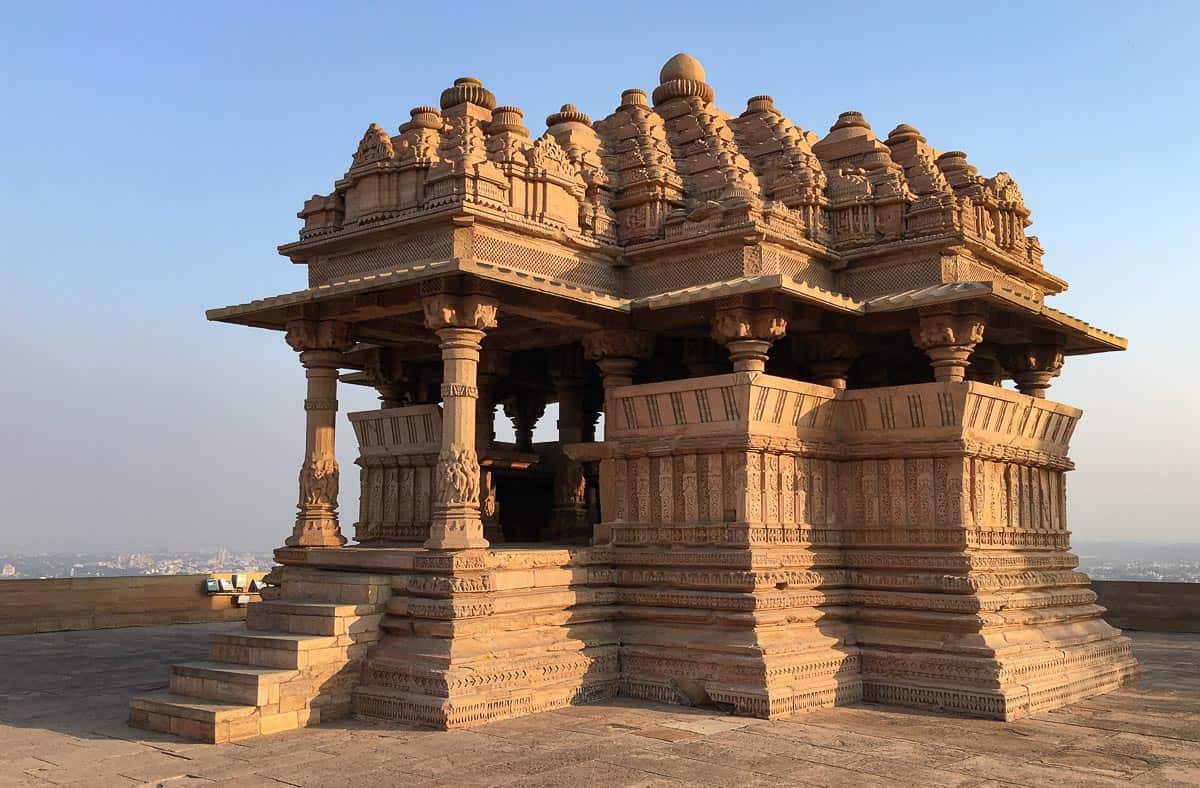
point(157, 154)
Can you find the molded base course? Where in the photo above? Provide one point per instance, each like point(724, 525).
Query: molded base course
point(1064, 675)
point(471, 638)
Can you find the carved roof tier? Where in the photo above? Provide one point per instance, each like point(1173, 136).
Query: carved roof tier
point(668, 200)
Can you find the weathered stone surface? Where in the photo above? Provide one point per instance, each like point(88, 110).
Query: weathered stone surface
point(760, 541)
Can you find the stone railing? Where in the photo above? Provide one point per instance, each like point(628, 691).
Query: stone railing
point(931, 455)
point(974, 412)
point(397, 450)
point(58, 604)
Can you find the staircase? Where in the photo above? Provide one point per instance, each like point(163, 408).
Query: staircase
point(295, 665)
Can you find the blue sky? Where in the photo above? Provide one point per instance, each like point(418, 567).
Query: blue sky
point(155, 154)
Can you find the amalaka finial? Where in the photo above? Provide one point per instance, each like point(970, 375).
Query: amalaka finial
point(760, 104)
point(423, 118)
point(850, 119)
point(507, 119)
point(468, 90)
point(634, 97)
point(568, 113)
point(680, 77)
point(903, 133)
point(952, 161)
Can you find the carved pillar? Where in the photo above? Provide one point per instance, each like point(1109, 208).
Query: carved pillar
point(747, 333)
point(829, 355)
point(493, 364)
point(321, 344)
point(948, 338)
point(568, 372)
point(617, 351)
point(1032, 366)
point(459, 322)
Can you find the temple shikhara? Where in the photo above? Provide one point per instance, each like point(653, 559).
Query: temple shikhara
point(810, 486)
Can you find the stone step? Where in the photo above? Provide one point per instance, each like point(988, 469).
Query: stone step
point(272, 649)
point(208, 721)
point(311, 618)
point(229, 683)
point(211, 721)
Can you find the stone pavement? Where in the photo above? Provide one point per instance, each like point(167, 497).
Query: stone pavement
point(64, 699)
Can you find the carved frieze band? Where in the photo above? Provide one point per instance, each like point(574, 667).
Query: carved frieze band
point(781, 488)
point(459, 390)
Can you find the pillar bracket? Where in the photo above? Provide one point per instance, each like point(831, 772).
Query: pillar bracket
point(948, 337)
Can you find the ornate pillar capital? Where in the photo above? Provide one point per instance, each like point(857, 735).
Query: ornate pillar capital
point(618, 343)
point(446, 310)
point(1032, 366)
point(616, 351)
point(390, 377)
point(319, 335)
point(948, 337)
point(829, 355)
point(747, 333)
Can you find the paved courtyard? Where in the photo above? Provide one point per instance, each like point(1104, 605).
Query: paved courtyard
point(64, 696)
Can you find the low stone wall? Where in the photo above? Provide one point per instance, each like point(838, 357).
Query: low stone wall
point(1150, 607)
point(28, 606)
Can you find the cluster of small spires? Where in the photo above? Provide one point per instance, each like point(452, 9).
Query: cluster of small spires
point(681, 76)
point(758, 158)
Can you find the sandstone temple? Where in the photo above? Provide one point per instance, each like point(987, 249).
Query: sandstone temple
point(810, 486)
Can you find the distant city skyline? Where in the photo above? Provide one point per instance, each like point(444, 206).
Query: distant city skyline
point(157, 154)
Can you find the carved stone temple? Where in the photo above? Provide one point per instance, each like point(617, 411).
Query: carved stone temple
point(811, 485)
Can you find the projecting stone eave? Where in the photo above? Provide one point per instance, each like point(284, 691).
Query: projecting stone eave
point(786, 286)
point(273, 312)
point(1045, 281)
point(1080, 338)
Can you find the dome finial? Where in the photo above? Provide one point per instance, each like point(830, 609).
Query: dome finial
point(681, 66)
point(681, 77)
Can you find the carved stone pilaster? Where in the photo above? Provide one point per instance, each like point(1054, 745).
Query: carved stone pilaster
point(1032, 366)
point(748, 333)
point(948, 339)
point(460, 323)
point(321, 344)
point(829, 355)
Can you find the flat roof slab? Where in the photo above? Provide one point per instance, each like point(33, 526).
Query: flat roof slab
point(64, 698)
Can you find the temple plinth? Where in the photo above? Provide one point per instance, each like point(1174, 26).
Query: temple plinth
point(829, 469)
